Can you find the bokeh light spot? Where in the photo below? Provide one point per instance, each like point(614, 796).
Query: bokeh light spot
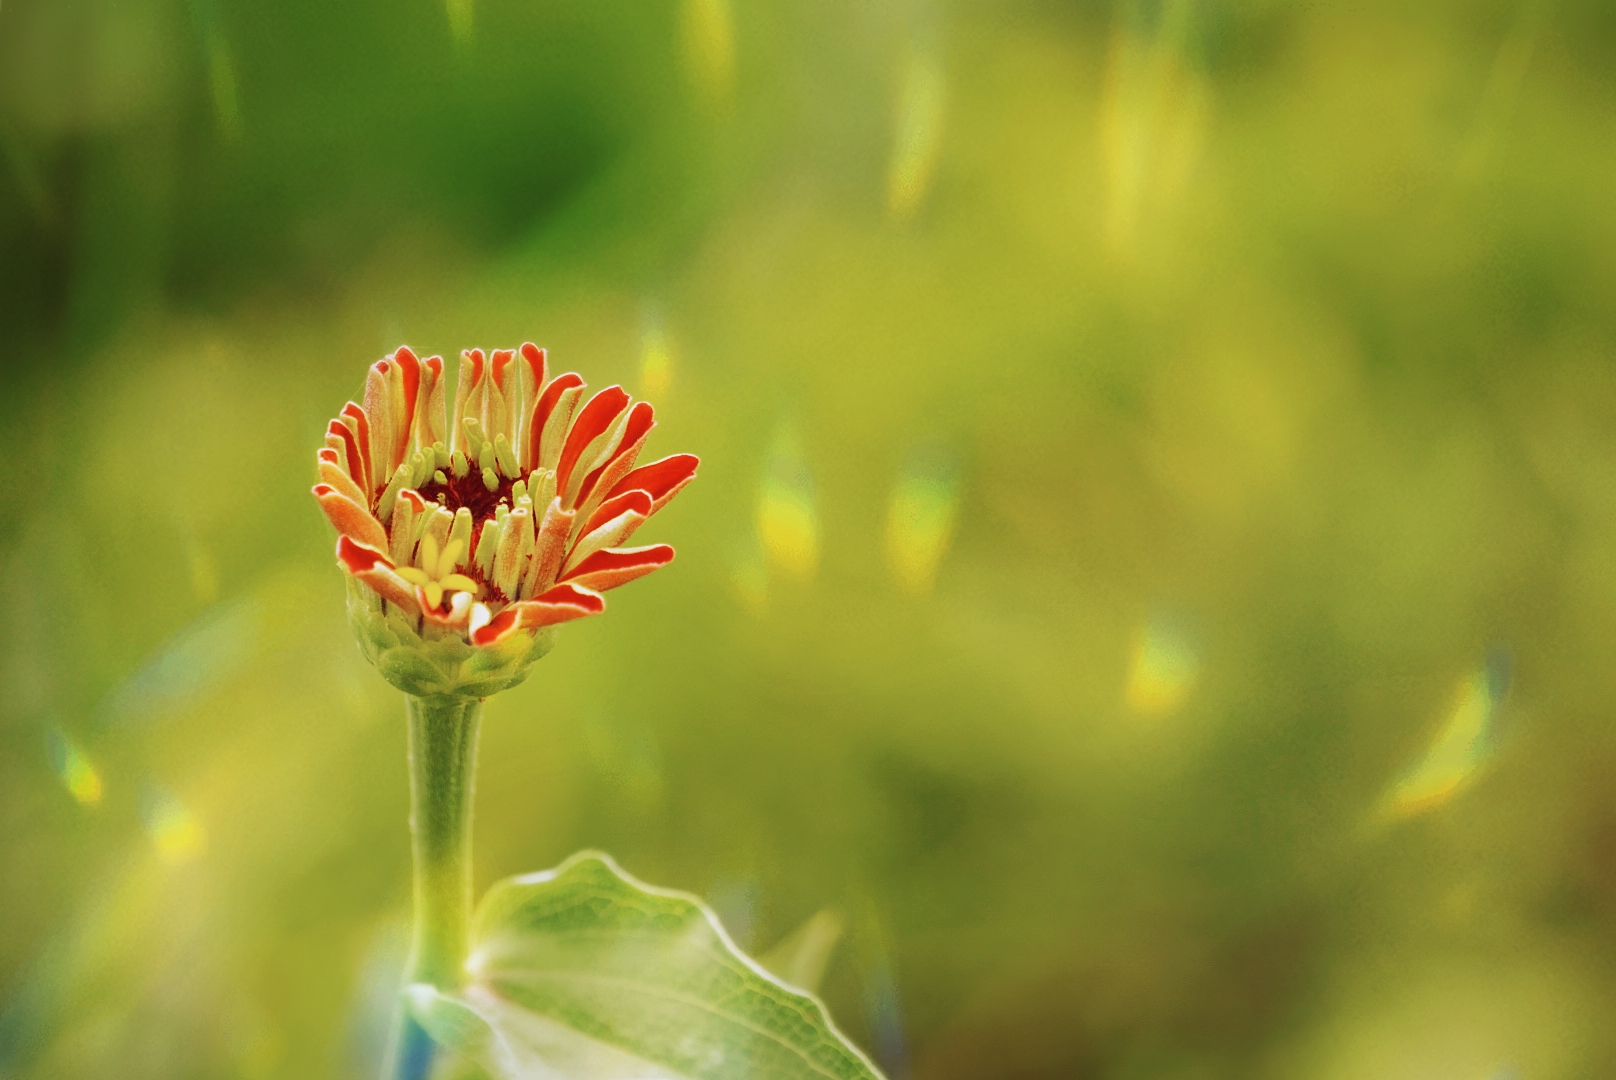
point(919, 133)
point(1462, 746)
point(174, 831)
point(787, 524)
point(1163, 666)
point(709, 46)
point(656, 359)
point(920, 519)
point(1152, 117)
point(81, 779)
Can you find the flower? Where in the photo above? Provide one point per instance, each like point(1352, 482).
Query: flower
point(463, 550)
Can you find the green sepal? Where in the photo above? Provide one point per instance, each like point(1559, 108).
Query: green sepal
point(439, 663)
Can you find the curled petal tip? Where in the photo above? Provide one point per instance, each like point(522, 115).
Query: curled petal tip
point(375, 570)
point(355, 557)
point(611, 567)
point(563, 603)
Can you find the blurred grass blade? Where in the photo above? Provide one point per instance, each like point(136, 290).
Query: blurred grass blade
point(584, 972)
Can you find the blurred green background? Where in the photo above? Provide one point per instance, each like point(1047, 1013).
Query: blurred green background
point(1152, 573)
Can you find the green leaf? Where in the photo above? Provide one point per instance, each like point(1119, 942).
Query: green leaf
point(584, 973)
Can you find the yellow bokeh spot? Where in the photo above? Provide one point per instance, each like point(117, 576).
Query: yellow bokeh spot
point(920, 523)
point(789, 529)
point(1152, 118)
point(919, 133)
point(787, 525)
point(709, 38)
point(1163, 666)
point(656, 362)
point(81, 779)
point(1459, 749)
point(174, 831)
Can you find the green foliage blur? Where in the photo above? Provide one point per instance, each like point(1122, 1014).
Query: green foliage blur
point(1152, 575)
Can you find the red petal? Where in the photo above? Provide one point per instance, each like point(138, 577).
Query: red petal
point(495, 630)
point(332, 474)
point(535, 361)
point(349, 518)
point(411, 367)
point(362, 436)
point(593, 419)
point(356, 557)
point(617, 566)
point(502, 359)
point(356, 464)
point(641, 419)
point(550, 544)
point(587, 599)
point(558, 605)
point(662, 479)
point(546, 405)
point(637, 501)
point(373, 569)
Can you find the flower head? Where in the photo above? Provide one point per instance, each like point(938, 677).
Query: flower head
point(465, 545)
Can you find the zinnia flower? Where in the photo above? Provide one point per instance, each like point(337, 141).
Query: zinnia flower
point(465, 546)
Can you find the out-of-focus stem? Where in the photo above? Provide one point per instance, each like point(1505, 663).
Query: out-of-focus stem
point(443, 765)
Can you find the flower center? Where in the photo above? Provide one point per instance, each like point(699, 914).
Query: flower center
point(470, 492)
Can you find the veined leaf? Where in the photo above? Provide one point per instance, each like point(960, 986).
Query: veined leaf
point(584, 973)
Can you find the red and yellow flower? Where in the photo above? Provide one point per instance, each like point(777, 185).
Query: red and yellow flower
point(465, 544)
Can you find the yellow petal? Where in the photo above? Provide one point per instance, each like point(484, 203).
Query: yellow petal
point(434, 594)
point(429, 555)
point(461, 583)
point(451, 557)
point(413, 575)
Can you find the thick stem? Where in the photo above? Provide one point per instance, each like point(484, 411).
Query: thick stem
point(443, 765)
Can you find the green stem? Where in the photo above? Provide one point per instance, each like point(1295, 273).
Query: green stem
point(443, 765)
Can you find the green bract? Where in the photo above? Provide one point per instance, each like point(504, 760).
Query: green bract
point(440, 664)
